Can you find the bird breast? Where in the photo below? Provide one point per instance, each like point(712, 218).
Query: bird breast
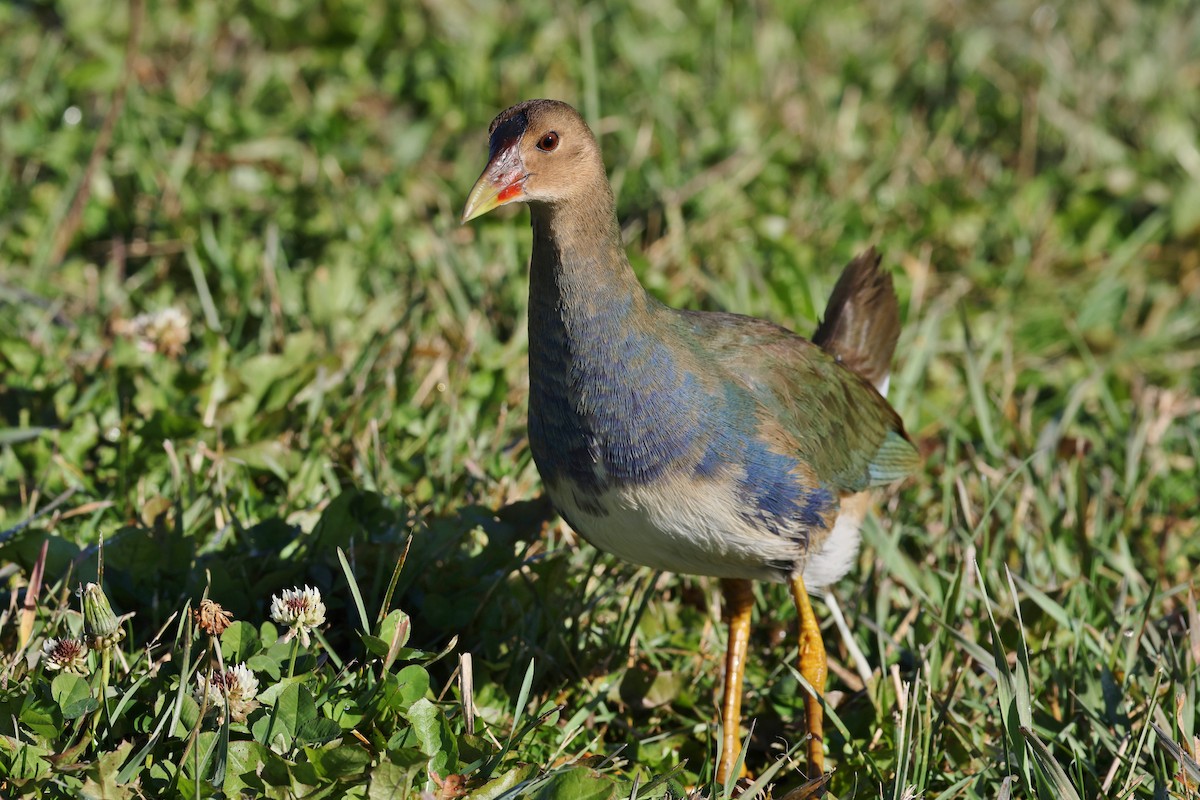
point(638, 453)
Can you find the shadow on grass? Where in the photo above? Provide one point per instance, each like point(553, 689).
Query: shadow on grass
point(486, 578)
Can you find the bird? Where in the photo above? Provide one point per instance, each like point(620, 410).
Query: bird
point(695, 442)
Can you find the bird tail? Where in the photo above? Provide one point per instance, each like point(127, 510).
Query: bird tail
point(862, 320)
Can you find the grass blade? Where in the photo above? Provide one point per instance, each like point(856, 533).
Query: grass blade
point(354, 592)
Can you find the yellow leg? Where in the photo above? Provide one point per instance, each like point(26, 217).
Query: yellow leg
point(814, 670)
point(739, 602)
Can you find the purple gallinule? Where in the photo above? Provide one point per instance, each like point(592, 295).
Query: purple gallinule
point(695, 442)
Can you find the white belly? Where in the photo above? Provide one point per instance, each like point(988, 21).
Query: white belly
point(701, 533)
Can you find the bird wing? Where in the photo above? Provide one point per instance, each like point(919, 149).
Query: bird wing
point(809, 405)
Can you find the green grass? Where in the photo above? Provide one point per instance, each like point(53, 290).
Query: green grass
point(1022, 621)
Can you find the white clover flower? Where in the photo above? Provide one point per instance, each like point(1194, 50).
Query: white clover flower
point(210, 686)
point(166, 331)
point(69, 655)
point(236, 684)
point(299, 610)
point(240, 683)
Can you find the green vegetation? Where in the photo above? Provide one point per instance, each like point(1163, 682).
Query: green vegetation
point(346, 373)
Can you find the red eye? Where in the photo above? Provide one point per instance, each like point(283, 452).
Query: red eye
point(548, 142)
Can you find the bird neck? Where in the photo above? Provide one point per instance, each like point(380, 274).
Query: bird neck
point(581, 284)
point(609, 397)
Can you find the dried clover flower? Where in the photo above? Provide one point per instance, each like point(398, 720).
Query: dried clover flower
point(211, 618)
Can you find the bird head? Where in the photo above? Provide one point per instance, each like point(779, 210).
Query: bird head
point(540, 151)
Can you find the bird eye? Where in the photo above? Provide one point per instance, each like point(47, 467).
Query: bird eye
point(548, 142)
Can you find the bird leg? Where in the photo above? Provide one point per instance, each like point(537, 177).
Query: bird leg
point(814, 670)
point(739, 602)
